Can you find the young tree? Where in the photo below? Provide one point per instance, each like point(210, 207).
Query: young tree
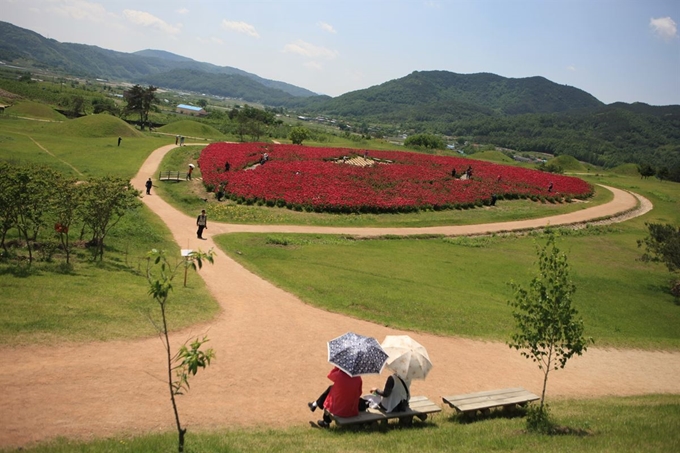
point(104, 202)
point(9, 199)
point(67, 198)
point(140, 100)
point(34, 192)
point(187, 360)
point(548, 328)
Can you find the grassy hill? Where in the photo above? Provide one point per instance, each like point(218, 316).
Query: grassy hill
point(95, 126)
point(35, 110)
point(492, 156)
point(568, 163)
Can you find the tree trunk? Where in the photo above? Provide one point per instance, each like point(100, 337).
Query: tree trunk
point(180, 431)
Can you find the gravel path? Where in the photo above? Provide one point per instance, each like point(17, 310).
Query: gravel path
point(271, 354)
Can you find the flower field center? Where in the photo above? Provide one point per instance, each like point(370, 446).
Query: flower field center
point(347, 180)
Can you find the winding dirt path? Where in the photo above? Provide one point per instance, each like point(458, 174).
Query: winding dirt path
point(271, 354)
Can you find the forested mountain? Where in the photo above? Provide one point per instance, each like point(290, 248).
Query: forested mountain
point(27, 48)
point(532, 114)
point(609, 135)
point(428, 93)
point(228, 85)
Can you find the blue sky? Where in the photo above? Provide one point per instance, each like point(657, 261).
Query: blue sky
point(617, 50)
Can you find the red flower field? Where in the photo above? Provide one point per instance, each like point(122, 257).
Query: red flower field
point(319, 179)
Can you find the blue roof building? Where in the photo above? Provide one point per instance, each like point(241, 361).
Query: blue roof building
point(185, 109)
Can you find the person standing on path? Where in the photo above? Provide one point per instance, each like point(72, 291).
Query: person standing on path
point(176, 139)
point(120, 139)
point(191, 169)
point(202, 223)
point(181, 141)
point(148, 185)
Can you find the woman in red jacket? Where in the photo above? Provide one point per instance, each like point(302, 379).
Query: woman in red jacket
point(342, 398)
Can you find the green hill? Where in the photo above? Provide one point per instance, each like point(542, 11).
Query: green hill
point(492, 156)
point(443, 92)
point(35, 110)
point(568, 163)
point(191, 128)
point(93, 126)
point(626, 169)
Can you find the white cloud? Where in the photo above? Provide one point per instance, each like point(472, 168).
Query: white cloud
point(240, 27)
point(309, 50)
point(182, 11)
point(664, 27)
point(149, 20)
point(313, 65)
point(571, 68)
point(81, 10)
point(326, 27)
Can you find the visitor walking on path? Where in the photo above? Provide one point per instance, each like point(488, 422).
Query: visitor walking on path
point(148, 185)
point(202, 223)
point(191, 169)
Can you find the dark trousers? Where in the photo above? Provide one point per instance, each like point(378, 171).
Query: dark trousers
point(199, 233)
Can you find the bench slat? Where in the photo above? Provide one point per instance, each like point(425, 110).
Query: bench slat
point(418, 405)
point(489, 399)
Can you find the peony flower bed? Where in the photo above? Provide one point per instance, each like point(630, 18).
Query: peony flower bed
point(317, 179)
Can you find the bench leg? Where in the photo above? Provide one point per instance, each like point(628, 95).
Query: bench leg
point(422, 417)
point(406, 421)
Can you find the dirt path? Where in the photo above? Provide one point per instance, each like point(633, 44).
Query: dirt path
point(271, 355)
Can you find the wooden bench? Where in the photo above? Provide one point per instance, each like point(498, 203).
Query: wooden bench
point(172, 176)
point(419, 406)
point(470, 403)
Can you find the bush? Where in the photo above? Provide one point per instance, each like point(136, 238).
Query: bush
point(539, 420)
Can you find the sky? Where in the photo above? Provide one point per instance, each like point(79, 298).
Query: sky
point(616, 50)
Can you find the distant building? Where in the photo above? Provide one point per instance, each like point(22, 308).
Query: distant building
point(185, 109)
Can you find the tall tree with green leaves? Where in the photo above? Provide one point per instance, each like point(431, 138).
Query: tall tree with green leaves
point(548, 329)
point(67, 198)
point(298, 134)
point(140, 100)
point(187, 360)
point(9, 200)
point(663, 246)
point(34, 192)
point(104, 202)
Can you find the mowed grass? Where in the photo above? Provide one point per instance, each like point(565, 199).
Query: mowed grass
point(459, 286)
point(93, 302)
point(107, 301)
point(633, 424)
point(77, 149)
point(35, 110)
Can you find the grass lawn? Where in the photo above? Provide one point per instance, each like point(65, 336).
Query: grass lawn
point(94, 301)
point(634, 424)
point(459, 286)
point(75, 153)
point(107, 301)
